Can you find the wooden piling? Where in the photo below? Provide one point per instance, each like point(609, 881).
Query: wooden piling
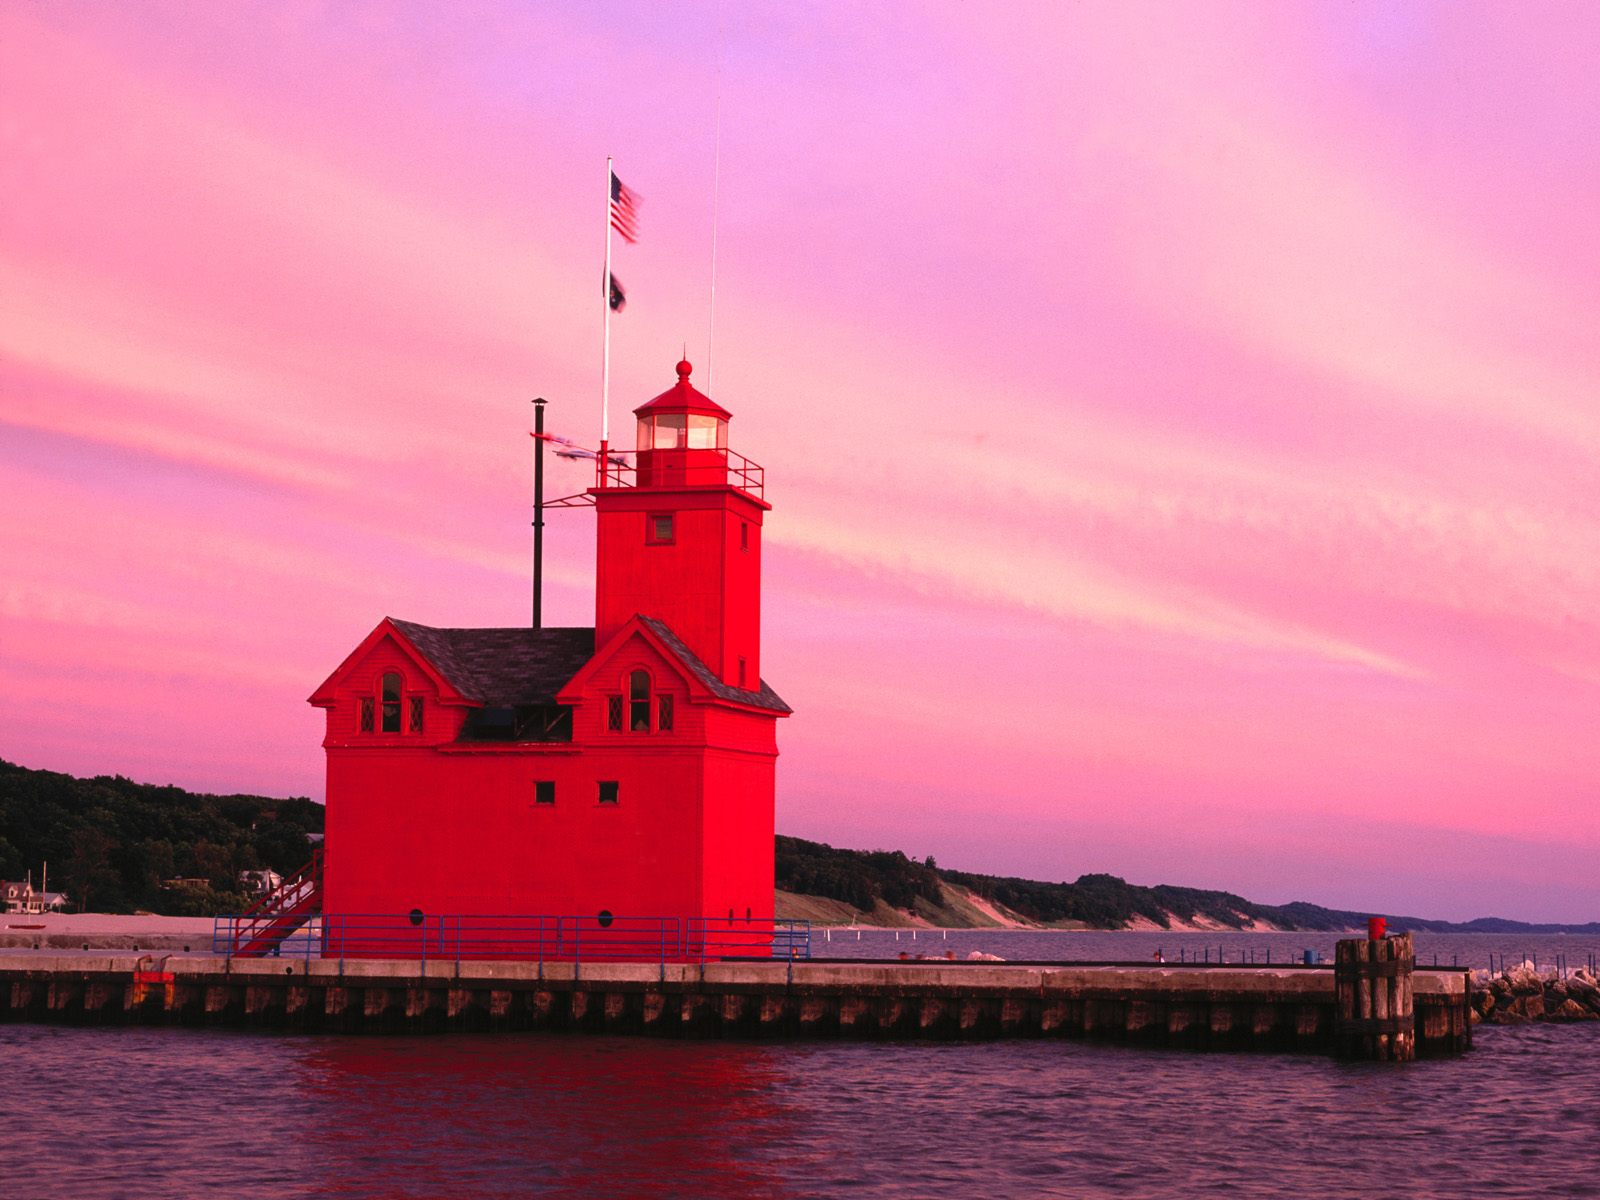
point(1374, 1000)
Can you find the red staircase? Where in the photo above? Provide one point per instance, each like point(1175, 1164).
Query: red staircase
point(264, 926)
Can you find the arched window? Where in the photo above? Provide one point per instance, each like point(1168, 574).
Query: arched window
point(639, 702)
point(391, 688)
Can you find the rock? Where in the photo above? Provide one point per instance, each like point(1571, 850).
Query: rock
point(1555, 993)
point(1484, 1002)
point(1583, 990)
point(1532, 1005)
point(980, 956)
point(1571, 1010)
point(1525, 980)
point(1509, 1016)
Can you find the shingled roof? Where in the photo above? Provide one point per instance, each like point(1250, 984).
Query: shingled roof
point(765, 698)
point(502, 668)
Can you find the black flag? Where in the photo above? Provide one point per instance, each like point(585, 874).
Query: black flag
point(618, 297)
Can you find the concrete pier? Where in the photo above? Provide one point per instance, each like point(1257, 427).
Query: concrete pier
point(1233, 1007)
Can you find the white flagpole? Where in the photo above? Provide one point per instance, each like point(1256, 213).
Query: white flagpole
point(605, 364)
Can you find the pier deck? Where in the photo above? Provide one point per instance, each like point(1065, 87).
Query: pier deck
point(1216, 1007)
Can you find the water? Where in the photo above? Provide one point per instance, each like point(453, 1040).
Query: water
point(175, 1113)
point(148, 1113)
point(1445, 949)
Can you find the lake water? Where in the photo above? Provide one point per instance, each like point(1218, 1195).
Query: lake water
point(176, 1113)
point(1445, 949)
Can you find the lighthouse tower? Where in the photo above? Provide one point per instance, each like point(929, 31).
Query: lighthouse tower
point(620, 776)
point(683, 544)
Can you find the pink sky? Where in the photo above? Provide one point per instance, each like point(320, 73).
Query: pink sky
point(1181, 421)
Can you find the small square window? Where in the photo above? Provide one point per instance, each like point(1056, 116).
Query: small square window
point(659, 529)
point(744, 535)
point(544, 791)
point(608, 791)
point(664, 713)
point(416, 714)
point(614, 713)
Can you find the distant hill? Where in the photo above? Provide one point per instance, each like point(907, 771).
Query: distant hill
point(821, 883)
point(111, 842)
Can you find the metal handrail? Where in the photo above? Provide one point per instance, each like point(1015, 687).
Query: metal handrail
point(292, 891)
point(713, 467)
point(520, 937)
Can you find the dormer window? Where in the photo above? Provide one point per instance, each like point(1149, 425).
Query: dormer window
point(390, 696)
point(639, 702)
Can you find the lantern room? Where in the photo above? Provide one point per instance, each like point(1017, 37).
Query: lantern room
point(683, 437)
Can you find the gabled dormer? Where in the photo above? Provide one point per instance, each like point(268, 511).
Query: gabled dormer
point(388, 693)
point(644, 686)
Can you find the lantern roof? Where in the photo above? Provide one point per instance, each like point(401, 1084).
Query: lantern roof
point(683, 397)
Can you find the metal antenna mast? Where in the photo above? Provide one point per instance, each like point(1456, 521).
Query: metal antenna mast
point(716, 182)
point(538, 512)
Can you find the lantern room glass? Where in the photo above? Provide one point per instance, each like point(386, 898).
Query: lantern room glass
point(668, 434)
point(707, 433)
point(679, 431)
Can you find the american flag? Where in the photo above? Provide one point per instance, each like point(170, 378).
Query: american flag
point(624, 210)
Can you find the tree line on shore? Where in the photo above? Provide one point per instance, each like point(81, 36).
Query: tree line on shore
point(864, 878)
point(114, 845)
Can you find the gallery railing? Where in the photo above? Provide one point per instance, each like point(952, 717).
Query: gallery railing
point(455, 938)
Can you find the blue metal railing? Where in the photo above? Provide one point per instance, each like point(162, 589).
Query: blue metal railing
point(514, 937)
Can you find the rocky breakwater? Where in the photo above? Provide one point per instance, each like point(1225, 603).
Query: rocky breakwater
point(1522, 993)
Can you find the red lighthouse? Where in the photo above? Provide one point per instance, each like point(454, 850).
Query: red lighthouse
point(624, 770)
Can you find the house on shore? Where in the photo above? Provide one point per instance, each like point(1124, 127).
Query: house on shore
point(23, 897)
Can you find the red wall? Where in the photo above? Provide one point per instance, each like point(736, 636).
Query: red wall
point(704, 585)
point(425, 823)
